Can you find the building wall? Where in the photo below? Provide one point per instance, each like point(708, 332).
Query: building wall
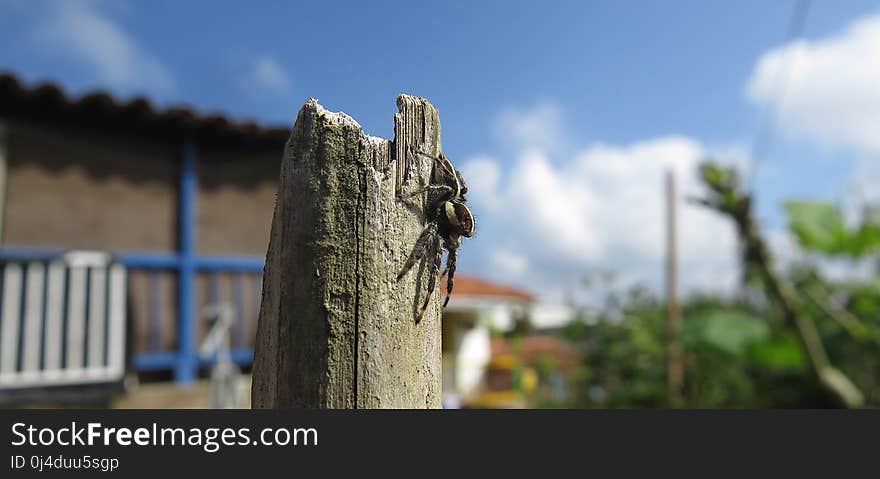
point(237, 189)
point(236, 200)
point(466, 352)
point(73, 187)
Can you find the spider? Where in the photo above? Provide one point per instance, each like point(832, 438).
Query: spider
point(449, 219)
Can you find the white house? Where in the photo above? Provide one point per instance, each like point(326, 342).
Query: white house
point(476, 309)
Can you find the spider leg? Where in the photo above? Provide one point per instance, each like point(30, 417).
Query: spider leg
point(451, 260)
point(447, 190)
point(435, 273)
point(420, 248)
point(438, 161)
point(464, 188)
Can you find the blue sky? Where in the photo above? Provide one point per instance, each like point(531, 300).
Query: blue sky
point(570, 105)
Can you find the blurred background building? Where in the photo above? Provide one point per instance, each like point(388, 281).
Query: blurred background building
point(182, 202)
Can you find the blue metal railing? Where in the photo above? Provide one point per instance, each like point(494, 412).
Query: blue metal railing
point(185, 360)
point(157, 266)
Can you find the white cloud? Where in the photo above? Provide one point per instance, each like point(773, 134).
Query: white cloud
point(832, 93)
point(600, 209)
point(509, 263)
point(78, 31)
point(267, 74)
point(538, 126)
point(482, 174)
point(550, 202)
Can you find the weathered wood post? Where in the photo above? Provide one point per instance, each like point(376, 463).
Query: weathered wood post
point(336, 329)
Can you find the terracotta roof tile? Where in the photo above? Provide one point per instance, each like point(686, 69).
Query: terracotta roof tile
point(49, 102)
point(471, 286)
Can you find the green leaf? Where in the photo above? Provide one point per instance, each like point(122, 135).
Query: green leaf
point(782, 352)
point(866, 240)
point(732, 331)
point(820, 227)
point(817, 226)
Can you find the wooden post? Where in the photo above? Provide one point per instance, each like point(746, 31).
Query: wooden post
point(336, 329)
point(674, 359)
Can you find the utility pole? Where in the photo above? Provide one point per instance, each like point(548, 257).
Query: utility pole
point(674, 359)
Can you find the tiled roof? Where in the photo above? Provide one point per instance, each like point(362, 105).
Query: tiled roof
point(48, 101)
point(471, 286)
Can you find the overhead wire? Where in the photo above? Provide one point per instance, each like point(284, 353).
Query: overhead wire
point(781, 81)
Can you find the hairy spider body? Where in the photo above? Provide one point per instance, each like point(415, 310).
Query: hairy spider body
point(448, 220)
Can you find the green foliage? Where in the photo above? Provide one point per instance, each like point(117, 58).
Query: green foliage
point(724, 186)
point(742, 353)
point(780, 353)
point(728, 331)
point(865, 303)
point(820, 227)
point(545, 364)
point(737, 356)
point(817, 226)
point(738, 353)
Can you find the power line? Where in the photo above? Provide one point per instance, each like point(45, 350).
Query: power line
point(781, 80)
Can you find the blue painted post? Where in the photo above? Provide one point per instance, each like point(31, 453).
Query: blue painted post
point(186, 369)
point(238, 289)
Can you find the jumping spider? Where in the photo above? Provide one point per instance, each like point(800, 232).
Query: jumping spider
point(448, 220)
